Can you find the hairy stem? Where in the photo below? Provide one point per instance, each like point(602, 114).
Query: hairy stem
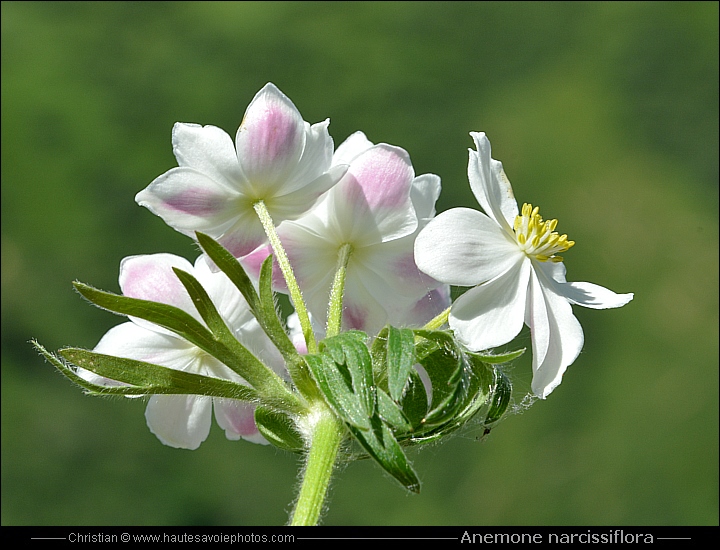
point(327, 433)
point(335, 306)
point(438, 321)
point(286, 268)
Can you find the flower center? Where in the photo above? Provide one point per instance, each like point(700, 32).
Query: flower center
point(537, 238)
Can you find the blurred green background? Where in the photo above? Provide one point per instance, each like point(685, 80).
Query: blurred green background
point(604, 114)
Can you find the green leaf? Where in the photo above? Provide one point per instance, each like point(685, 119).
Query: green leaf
point(225, 349)
point(378, 353)
point(343, 372)
point(400, 359)
point(501, 398)
point(445, 365)
point(203, 303)
point(391, 413)
point(500, 358)
point(170, 317)
point(227, 263)
point(480, 387)
point(381, 445)
point(415, 401)
point(350, 348)
point(262, 305)
point(143, 378)
point(279, 429)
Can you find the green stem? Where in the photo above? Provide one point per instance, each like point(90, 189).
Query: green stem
point(334, 322)
point(438, 321)
point(286, 268)
point(326, 435)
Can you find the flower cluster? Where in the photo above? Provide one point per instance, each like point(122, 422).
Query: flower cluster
point(351, 235)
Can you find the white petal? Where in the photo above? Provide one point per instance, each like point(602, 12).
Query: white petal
point(464, 247)
point(135, 342)
point(189, 201)
point(244, 235)
point(270, 141)
point(311, 252)
point(424, 194)
point(237, 418)
point(557, 337)
point(594, 296)
point(210, 151)
point(296, 335)
point(224, 294)
point(350, 148)
point(292, 205)
point(590, 295)
point(316, 158)
point(492, 314)
point(180, 421)
point(490, 184)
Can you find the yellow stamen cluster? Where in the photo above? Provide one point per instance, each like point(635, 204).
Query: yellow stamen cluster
point(537, 238)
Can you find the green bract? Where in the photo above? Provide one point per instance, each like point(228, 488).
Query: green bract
point(372, 385)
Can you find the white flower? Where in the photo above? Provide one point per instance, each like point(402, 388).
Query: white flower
point(377, 208)
point(277, 158)
point(183, 421)
point(512, 256)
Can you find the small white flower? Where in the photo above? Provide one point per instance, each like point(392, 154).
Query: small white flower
point(183, 421)
point(513, 257)
point(377, 208)
point(277, 158)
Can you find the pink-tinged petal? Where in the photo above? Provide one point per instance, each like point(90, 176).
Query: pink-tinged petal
point(237, 418)
point(372, 201)
point(368, 301)
point(490, 184)
point(189, 201)
point(424, 310)
point(394, 263)
point(464, 247)
point(557, 337)
point(492, 314)
point(270, 141)
point(252, 263)
point(180, 421)
point(151, 277)
point(210, 151)
point(350, 148)
point(594, 296)
point(384, 174)
point(406, 275)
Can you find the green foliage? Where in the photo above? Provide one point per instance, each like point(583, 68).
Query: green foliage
point(606, 111)
point(141, 378)
point(383, 400)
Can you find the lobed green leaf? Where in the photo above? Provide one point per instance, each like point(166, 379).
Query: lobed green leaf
point(400, 359)
point(382, 446)
point(279, 429)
